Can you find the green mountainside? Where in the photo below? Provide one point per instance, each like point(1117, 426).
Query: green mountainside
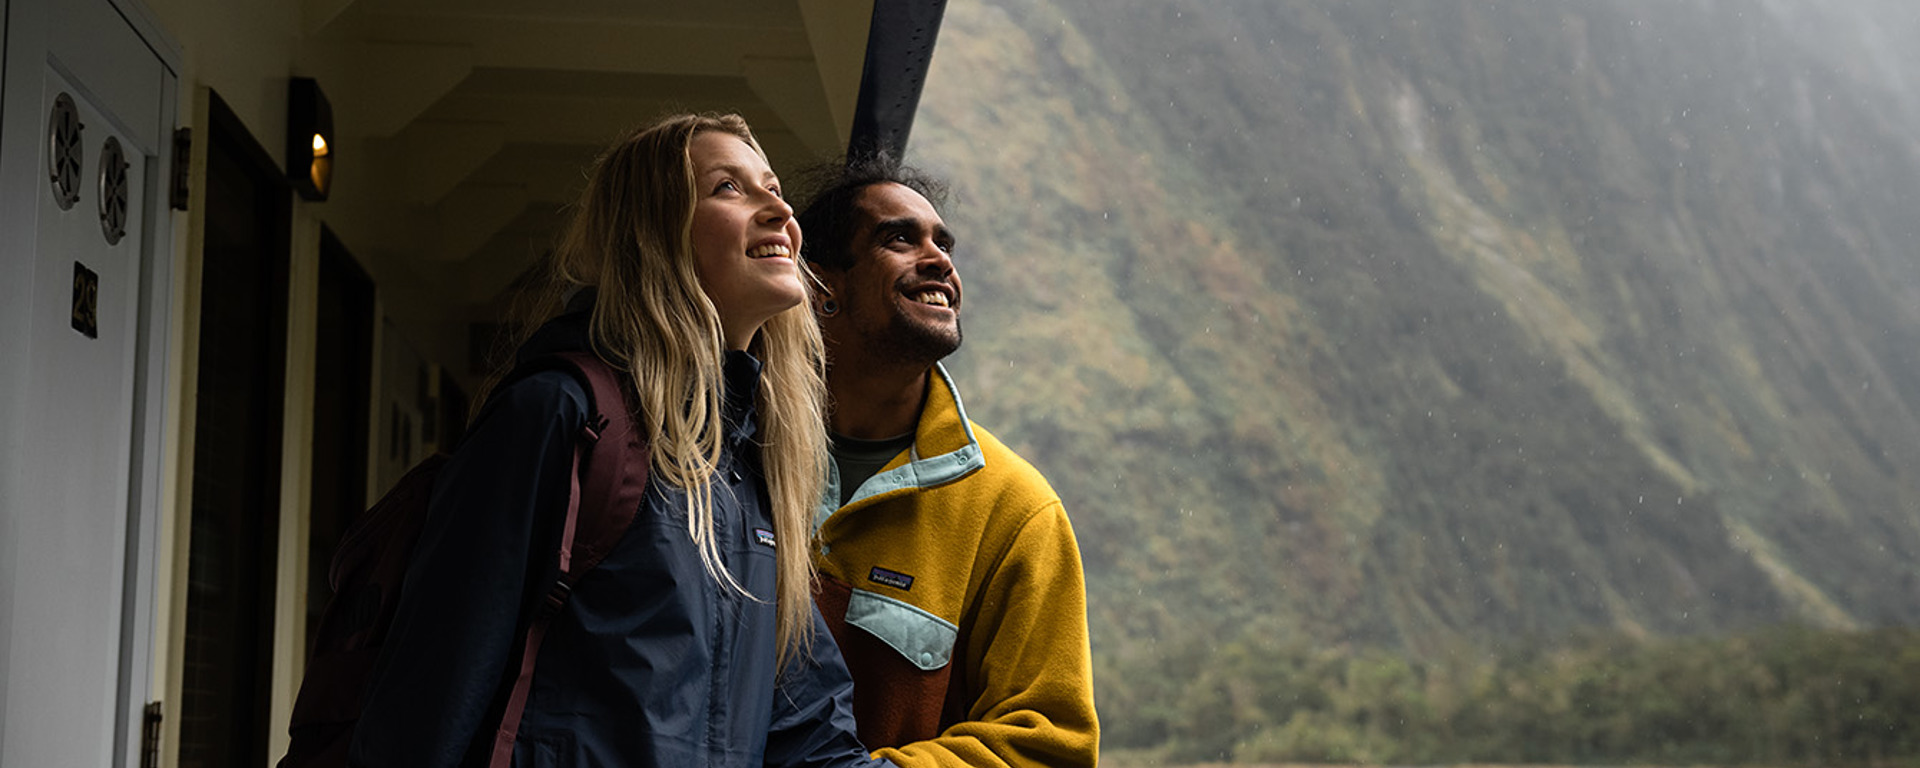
point(1442, 327)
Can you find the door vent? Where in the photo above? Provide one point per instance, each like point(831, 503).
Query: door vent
point(63, 138)
point(113, 191)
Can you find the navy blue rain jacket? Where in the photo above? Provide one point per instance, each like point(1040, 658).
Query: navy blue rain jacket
point(651, 663)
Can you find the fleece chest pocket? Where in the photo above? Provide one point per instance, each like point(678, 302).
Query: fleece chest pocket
point(925, 640)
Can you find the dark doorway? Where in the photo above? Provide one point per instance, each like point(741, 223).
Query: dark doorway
point(342, 390)
point(236, 452)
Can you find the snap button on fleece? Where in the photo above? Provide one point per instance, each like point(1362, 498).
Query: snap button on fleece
point(926, 659)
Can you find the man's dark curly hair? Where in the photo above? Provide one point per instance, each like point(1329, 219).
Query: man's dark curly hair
point(827, 219)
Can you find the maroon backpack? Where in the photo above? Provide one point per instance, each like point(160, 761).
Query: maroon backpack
point(609, 478)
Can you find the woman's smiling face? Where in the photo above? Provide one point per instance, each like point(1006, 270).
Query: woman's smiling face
point(744, 236)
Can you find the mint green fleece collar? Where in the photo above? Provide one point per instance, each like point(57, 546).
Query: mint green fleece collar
point(919, 471)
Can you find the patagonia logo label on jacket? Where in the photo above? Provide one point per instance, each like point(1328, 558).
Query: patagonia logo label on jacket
point(894, 579)
point(764, 536)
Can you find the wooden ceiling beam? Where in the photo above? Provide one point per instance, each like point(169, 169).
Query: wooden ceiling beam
point(791, 89)
point(598, 45)
point(440, 155)
point(837, 35)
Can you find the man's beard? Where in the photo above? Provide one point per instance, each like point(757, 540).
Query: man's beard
point(906, 341)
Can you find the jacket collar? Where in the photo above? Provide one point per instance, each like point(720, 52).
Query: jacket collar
point(944, 450)
point(742, 386)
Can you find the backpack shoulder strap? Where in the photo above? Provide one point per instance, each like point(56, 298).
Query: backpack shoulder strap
point(606, 486)
point(613, 478)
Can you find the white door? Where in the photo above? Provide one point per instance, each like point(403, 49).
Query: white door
point(84, 253)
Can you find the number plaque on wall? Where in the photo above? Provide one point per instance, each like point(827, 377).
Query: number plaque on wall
point(86, 298)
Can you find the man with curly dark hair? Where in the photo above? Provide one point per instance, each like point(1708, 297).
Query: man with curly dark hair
point(949, 571)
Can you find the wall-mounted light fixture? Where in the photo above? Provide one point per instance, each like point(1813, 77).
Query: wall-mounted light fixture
point(310, 139)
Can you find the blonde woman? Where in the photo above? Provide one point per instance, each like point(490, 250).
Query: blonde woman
point(694, 641)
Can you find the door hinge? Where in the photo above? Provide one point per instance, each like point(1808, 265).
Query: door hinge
point(150, 735)
point(178, 191)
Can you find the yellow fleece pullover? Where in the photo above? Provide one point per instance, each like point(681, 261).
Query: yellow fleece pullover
point(952, 582)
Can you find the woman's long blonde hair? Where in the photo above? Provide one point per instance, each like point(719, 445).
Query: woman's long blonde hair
point(630, 238)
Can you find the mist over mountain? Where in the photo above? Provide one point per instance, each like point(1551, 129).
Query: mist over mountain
point(1441, 325)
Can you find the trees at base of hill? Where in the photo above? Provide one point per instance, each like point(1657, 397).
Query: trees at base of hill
point(1780, 696)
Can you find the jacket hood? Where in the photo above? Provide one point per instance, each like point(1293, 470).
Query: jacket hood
point(568, 332)
point(571, 332)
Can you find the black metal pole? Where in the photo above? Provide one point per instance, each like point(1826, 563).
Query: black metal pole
point(899, 49)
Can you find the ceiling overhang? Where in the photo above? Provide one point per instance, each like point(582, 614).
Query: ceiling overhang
point(465, 126)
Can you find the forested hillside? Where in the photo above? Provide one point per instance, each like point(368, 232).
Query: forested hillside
point(1442, 330)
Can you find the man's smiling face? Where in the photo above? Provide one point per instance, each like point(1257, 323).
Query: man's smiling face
point(900, 298)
